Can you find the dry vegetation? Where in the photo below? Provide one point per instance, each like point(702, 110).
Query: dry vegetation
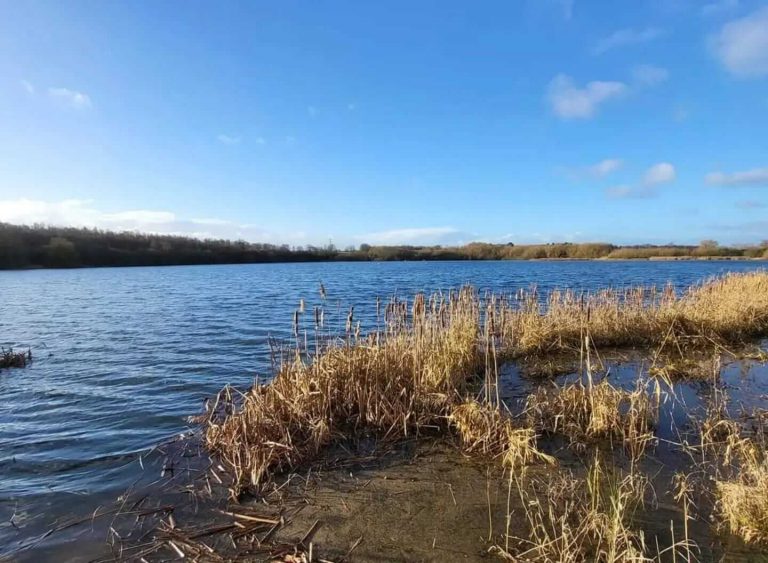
point(422, 373)
point(11, 359)
point(729, 308)
point(588, 413)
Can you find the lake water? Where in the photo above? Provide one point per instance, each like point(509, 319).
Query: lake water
point(123, 356)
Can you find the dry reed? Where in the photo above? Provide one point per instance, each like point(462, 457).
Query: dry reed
point(728, 308)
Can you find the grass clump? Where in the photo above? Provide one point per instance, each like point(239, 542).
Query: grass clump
point(591, 412)
point(742, 500)
point(389, 386)
point(11, 359)
point(483, 428)
point(573, 522)
point(732, 307)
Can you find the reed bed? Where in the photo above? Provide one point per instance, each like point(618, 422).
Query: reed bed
point(390, 385)
point(431, 369)
point(728, 308)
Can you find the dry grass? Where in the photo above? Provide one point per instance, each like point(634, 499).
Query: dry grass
point(591, 412)
point(484, 429)
point(390, 386)
point(729, 308)
point(742, 500)
point(574, 523)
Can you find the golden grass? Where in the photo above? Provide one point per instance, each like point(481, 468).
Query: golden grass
point(573, 523)
point(589, 412)
point(742, 500)
point(484, 429)
point(729, 308)
point(391, 386)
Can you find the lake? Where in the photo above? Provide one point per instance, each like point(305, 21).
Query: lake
point(124, 355)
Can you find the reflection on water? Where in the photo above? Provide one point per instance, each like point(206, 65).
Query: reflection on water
point(124, 356)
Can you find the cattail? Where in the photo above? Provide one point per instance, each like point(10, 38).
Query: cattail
point(323, 295)
point(296, 323)
point(301, 306)
point(317, 318)
point(350, 319)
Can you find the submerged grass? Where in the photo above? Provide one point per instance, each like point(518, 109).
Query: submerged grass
point(587, 413)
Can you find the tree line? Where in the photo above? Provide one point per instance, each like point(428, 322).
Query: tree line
point(41, 246)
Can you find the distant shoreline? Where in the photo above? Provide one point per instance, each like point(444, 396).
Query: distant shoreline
point(44, 247)
point(353, 261)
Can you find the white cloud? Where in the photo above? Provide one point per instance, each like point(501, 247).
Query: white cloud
point(604, 167)
point(72, 98)
point(624, 37)
point(754, 177)
point(655, 176)
point(570, 102)
point(228, 139)
point(660, 173)
point(414, 236)
point(28, 86)
point(742, 45)
point(82, 213)
point(649, 75)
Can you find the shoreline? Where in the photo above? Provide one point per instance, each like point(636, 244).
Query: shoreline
point(356, 261)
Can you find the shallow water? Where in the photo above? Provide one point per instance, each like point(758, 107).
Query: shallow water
point(124, 356)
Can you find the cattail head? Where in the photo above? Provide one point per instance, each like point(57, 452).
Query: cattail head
point(323, 295)
point(350, 319)
point(302, 306)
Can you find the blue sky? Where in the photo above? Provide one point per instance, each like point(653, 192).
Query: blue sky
point(389, 122)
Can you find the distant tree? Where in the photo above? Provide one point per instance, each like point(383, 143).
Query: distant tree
point(61, 253)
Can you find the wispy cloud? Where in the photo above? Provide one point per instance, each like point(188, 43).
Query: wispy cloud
point(754, 177)
point(415, 236)
point(625, 37)
point(228, 139)
point(719, 7)
point(601, 169)
point(28, 86)
point(71, 98)
point(656, 176)
point(570, 101)
point(649, 75)
point(742, 45)
point(83, 213)
point(751, 204)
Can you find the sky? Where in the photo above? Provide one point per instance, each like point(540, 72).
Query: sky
point(398, 122)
